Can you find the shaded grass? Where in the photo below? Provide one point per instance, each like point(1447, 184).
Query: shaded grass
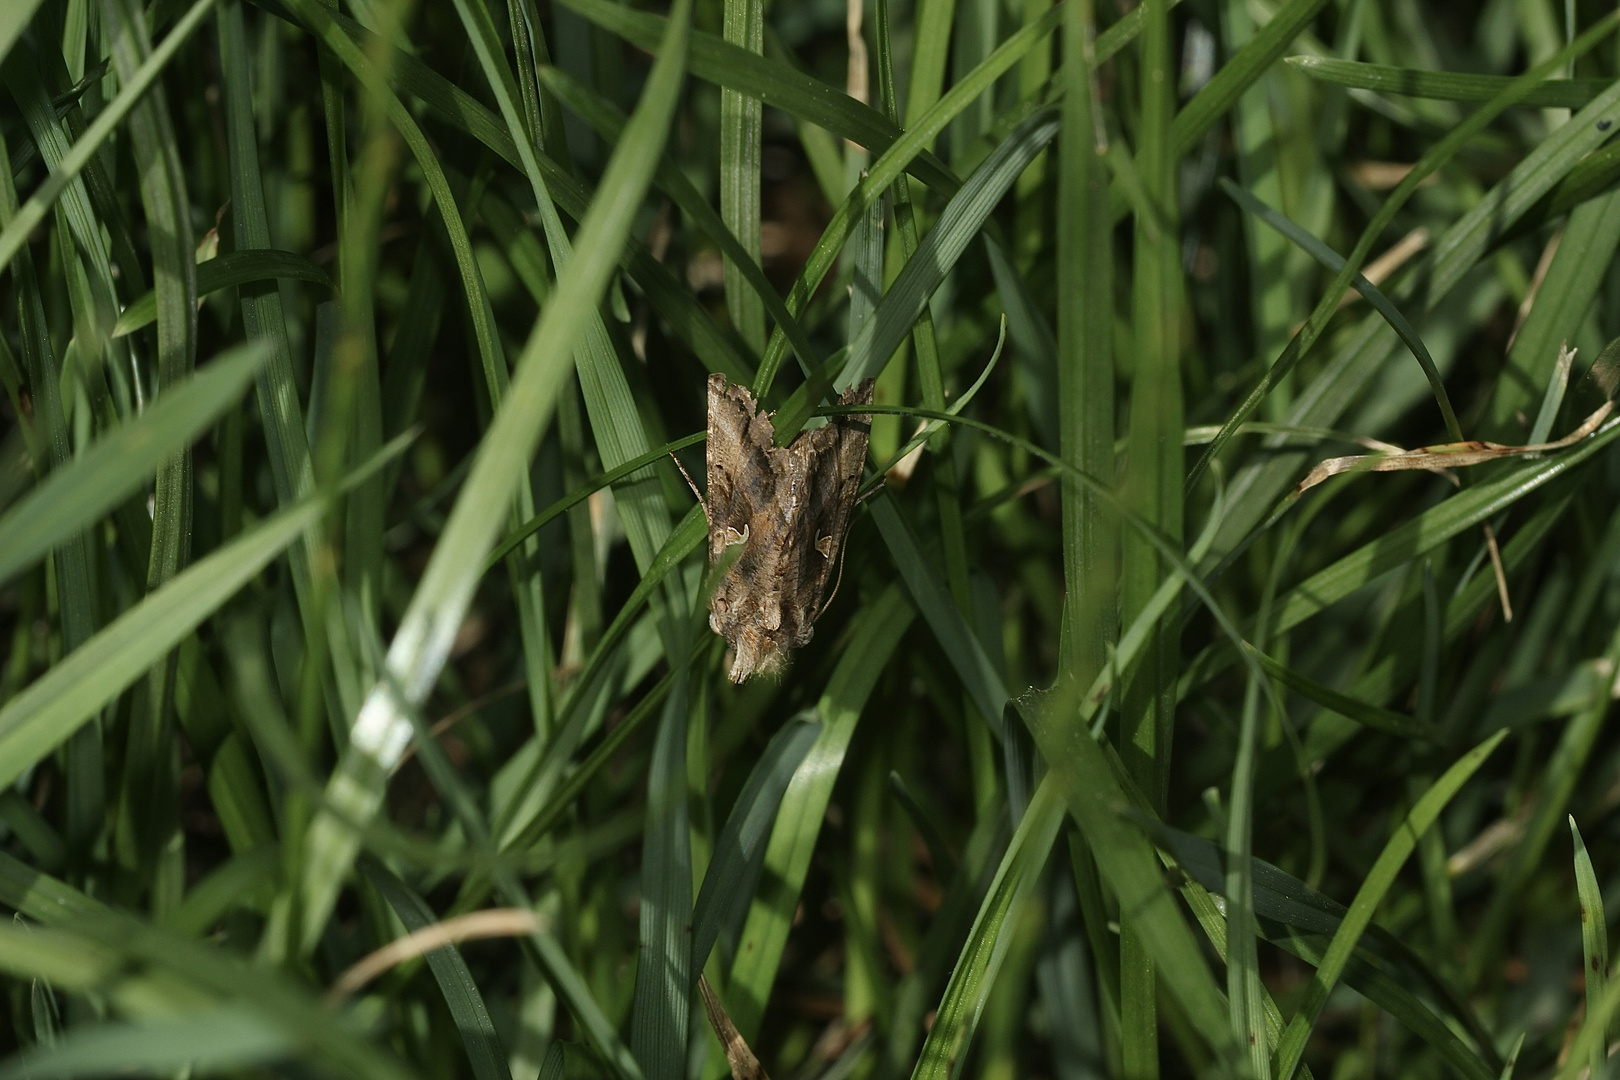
point(1057, 788)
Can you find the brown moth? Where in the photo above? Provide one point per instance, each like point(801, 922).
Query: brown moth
point(789, 508)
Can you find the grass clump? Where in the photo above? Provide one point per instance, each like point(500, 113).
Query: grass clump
point(1222, 646)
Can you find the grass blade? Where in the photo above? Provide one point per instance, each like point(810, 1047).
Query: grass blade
point(75, 497)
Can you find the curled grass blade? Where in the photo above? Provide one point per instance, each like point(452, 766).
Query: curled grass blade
point(228, 271)
point(1375, 296)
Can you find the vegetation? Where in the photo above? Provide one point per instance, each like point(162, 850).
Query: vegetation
point(359, 714)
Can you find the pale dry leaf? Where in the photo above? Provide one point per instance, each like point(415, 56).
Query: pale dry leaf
point(744, 1065)
point(1447, 455)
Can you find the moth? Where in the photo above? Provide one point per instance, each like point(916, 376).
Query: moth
point(788, 509)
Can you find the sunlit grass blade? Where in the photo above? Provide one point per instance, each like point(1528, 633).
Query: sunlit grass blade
point(427, 629)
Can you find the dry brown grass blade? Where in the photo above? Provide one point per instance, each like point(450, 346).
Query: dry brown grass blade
point(1447, 455)
point(492, 922)
point(744, 1065)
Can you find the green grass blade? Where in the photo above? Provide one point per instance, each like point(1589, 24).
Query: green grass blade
point(933, 599)
point(1239, 73)
point(226, 271)
point(450, 971)
point(75, 497)
point(741, 132)
point(1445, 85)
point(1361, 712)
point(1374, 296)
point(889, 326)
point(986, 947)
point(773, 83)
point(1085, 358)
point(722, 902)
point(13, 21)
point(1093, 796)
point(1590, 238)
point(1369, 896)
point(65, 171)
point(1152, 485)
point(609, 123)
point(427, 629)
point(41, 717)
point(142, 970)
point(225, 1038)
point(1441, 152)
point(1398, 546)
point(890, 165)
point(666, 974)
point(150, 770)
point(879, 628)
point(1594, 941)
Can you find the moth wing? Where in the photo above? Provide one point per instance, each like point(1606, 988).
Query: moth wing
point(731, 458)
point(836, 455)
